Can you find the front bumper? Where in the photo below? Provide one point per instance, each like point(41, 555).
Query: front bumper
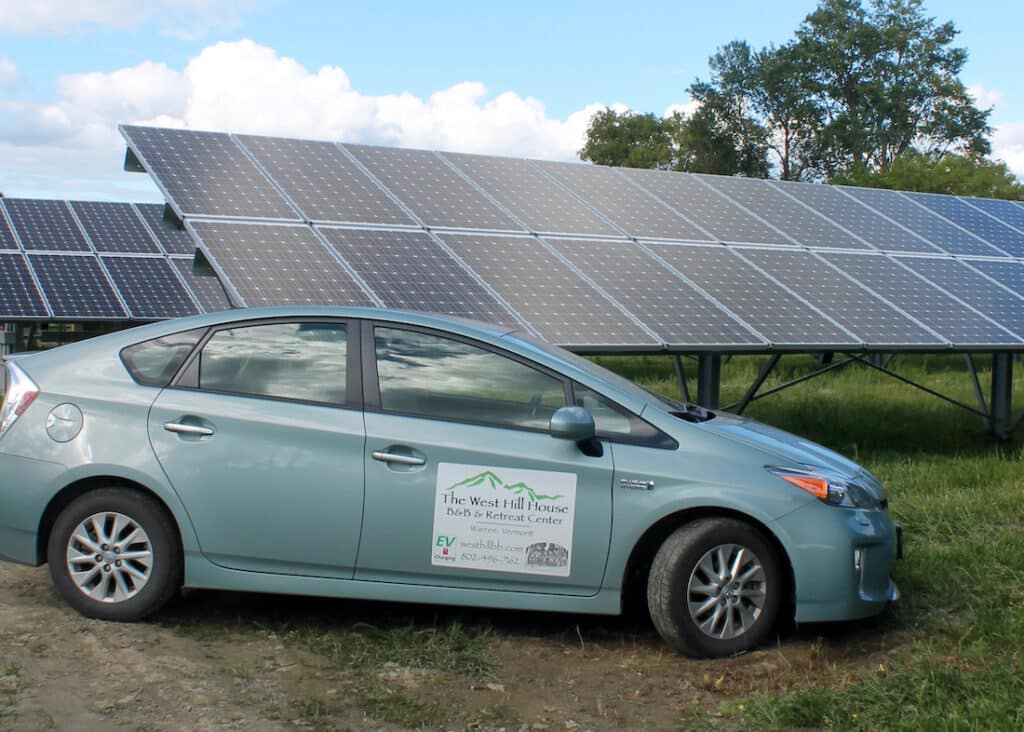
point(842, 561)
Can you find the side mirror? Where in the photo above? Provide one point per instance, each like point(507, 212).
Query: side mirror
point(572, 423)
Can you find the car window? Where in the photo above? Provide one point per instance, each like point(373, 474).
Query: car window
point(432, 376)
point(154, 362)
point(301, 361)
point(614, 422)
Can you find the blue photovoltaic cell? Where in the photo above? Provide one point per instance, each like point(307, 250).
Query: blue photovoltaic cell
point(207, 288)
point(667, 305)
point(556, 301)
point(19, 297)
point(768, 308)
point(150, 287)
point(206, 173)
point(1004, 271)
point(855, 217)
point(930, 305)
point(942, 234)
point(530, 195)
point(408, 270)
point(873, 322)
point(322, 181)
point(76, 287)
point(975, 221)
point(431, 190)
point(705, 206)
point(6, 237)
point(955, 277)
point(114, 227)
point(636, 212)
point(1009, 212)
point(171, 238)
point(279, 265)
point(781, 211)
point(45, 225)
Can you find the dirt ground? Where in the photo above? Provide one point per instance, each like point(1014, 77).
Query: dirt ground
point(253, 662)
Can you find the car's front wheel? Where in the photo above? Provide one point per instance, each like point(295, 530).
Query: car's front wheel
point(114, 555)
point(715, 588)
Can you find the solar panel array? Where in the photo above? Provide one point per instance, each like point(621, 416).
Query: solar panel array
point(595, 258)
point(87, 260)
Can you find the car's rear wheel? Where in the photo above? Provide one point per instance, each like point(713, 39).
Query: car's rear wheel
point(715, 588)
point(114, 555)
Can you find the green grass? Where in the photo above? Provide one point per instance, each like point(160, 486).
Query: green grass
point(960, 498)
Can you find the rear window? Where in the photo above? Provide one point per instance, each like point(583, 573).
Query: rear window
point(154, 363)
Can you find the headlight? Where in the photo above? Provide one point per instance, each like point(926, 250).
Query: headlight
point(827, 487)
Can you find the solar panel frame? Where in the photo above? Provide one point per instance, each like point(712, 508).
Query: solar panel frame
point(172, 240)
point(220, 243)
point(207, 174)
point(45, 225)
point(395, 263)
point(66, 294)
point(532, 293)
point(8, 242)
point(149, 287)
point(208, 291)
point(20, 295)
point(1000, 238)
point(114, 227)
point(669, 305)
point(757, 299)
point(323, 167)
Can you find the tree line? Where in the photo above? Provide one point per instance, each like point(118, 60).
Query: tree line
point(864, 94)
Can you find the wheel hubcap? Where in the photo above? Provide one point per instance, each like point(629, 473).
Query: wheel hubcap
point(109, 557)
point(726, 592)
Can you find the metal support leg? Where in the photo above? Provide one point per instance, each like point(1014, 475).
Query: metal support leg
point(1000, 403)
point(684, 390)
point(709, 379)
point(758, 382)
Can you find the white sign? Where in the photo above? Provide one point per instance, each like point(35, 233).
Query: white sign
point(504, 519)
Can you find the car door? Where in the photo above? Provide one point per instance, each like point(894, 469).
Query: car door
point(464, 485)
point(262, 438)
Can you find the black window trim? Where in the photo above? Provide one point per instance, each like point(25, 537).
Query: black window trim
point(371, 380)
point(187, 377)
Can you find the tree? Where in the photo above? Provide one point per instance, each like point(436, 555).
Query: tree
point(950, 173)
point(629, 139)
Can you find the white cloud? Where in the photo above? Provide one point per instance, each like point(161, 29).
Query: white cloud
point(8, 72)
point(245, 87)
point(1008, 146)
point(181, 18)
point(985, 98)
point(684, 108)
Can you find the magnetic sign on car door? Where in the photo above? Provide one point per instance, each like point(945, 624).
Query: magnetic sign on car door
point(504, 519)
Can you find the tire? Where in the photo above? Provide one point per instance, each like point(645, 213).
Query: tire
point(699, 609)
point(121, 582)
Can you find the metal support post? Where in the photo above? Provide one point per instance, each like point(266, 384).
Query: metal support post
point(684, 390)
point(709, 379)
point(8, 334)
point(1001, 401)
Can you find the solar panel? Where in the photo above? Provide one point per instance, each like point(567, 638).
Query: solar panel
point(19, 296)
point(274, 264)
point(667, 305)
point(114, 227)
point(556, 301)
point(991, 230)
point(705, 207)
point(7, 240)
point(1009, 212)
point(171, 238)
point(207, 289)
point(855, 217)
point(45, 225)
point(775, 313)
point(802, 225)
point(434, 192)
point(323, 182)
point(634, 211)
point(150, 288)
point(870, 319)
point(407, 269)
point(76, 287)
point(1004, 271)
point(921, 221)
point(955, 277)
point(206, 173)
point(929, 305)
point(530, 195)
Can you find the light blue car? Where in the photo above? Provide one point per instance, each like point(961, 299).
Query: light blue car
point(407, 457)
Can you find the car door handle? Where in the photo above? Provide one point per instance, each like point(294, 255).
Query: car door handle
point(188, 429)
point(387, 457)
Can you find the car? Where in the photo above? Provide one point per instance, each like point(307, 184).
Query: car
point(408, 457)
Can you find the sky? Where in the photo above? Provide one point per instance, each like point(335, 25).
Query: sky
point(517, 79)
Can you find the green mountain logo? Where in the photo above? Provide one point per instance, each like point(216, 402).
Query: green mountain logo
point(493, 481)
